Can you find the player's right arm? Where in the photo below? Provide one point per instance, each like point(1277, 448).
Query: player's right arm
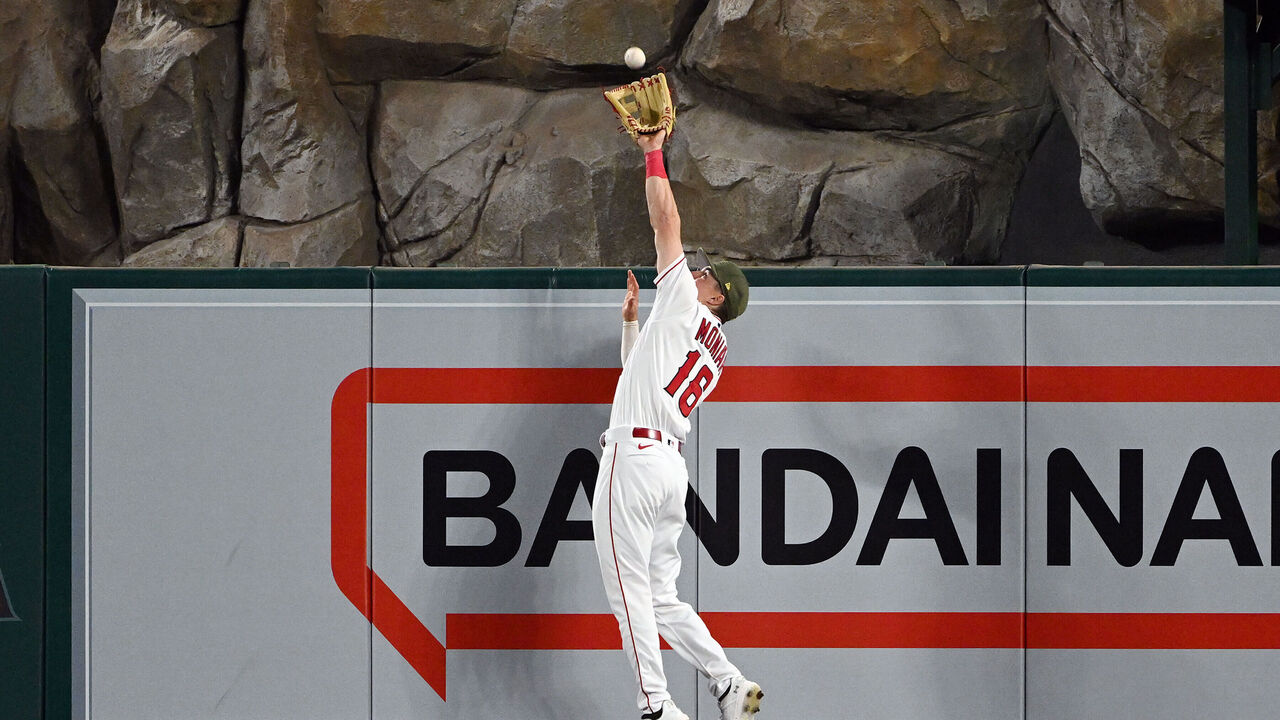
point(663, 216)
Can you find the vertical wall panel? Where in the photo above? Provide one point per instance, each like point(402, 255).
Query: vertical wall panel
point(519, 367)
point(1145, 387)
point(843, 406)
point(21, 489)
point(195, 490)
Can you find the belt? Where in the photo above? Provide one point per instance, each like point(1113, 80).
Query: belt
point(643, 433)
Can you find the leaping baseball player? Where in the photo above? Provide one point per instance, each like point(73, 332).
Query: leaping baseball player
point(638, 512)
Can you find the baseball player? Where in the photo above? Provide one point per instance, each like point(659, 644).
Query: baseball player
point(638, 511)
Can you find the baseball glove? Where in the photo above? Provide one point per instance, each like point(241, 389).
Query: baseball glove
point(644, 107)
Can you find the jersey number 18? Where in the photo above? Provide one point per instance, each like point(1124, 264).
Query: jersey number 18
point(693, 391)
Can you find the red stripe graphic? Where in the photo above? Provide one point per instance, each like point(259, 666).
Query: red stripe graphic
point(347, 497)
point(747, 630)
point(515, 386)
point(1045, 631)
point(1154, 631)
point(952, 383)
point(567, 386)
point(1153, 384)
point(408, 635)
point(392, 618)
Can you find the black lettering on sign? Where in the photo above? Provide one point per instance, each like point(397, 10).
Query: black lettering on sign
point(987, 519)
point(719, 534)
point(912, 467)
point(775, 463)
point(578, 471)
point(1275, 509)
point(1066, 480)
point(438, 507)
point(1206, 468)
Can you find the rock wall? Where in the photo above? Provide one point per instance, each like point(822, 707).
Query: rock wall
point(350, 132)
point(1140, 84)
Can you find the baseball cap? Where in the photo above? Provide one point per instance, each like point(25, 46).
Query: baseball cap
point(733, 284)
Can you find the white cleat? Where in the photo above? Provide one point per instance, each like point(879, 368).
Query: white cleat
point(666, 711)
point(741, 701)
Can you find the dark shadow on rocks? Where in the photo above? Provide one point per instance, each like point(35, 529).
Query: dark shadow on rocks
point(33, 237)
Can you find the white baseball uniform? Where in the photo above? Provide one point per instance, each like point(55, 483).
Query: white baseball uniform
point(638, 510)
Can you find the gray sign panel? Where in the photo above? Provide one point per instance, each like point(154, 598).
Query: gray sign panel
point(204, 586)
point(1149, 502)
point(545, 445)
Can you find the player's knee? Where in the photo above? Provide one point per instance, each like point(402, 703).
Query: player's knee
point(670, 606)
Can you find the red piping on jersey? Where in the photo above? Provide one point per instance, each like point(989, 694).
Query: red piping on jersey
point(666, 272)
point(613, 544)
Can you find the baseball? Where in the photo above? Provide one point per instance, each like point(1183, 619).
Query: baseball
point(634, 58)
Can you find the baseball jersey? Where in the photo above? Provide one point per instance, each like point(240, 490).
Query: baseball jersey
point(676, 361)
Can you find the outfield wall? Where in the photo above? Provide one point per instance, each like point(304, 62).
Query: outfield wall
point(22, 558)
point(916, 493)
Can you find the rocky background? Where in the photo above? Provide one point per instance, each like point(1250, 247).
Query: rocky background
point(220, 133)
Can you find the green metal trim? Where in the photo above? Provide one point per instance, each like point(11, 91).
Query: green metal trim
point(22, 544)
point(1240, 119)
point(1263, 76)
point(1004, 276)
point(613, 278)
point(57, 645)
point(61, 285)
point(506, 278)
point(1047, 276)
point(280, 278)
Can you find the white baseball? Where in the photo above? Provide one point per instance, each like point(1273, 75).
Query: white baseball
point(634, 58)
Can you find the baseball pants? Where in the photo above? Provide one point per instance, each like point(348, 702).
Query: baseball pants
point(638, 514)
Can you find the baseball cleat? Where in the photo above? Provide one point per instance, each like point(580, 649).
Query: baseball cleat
point(741, 701)
point(667, 710)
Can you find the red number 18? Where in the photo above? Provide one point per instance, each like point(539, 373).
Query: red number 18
point(698, 385)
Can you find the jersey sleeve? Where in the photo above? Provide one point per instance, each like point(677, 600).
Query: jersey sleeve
point(677, 294)
point(630, 333)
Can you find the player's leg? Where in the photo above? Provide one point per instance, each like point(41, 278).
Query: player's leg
point(622, 519)
point(679, 625)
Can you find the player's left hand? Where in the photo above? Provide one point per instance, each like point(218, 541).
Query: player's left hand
point(631, 303)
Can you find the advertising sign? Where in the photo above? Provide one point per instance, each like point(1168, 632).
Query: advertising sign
point(856, 500)
point(985, 493)
point(1151, 488)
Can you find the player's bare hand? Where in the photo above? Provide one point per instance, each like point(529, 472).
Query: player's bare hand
point(649, 143)
point(631, 303)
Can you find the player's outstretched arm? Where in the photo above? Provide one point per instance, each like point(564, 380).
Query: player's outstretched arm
point(663, 215)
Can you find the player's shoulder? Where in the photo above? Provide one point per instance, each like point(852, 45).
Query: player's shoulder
point(670, 272)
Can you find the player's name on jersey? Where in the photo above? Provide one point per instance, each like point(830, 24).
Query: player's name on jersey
point(1119, 527)
point(711, 338)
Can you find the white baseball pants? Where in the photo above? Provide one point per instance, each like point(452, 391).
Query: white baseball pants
point(637, 515)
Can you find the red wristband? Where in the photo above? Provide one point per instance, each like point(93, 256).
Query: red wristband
point(653, 165)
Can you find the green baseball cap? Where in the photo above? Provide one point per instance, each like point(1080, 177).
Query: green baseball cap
point(733, 284)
